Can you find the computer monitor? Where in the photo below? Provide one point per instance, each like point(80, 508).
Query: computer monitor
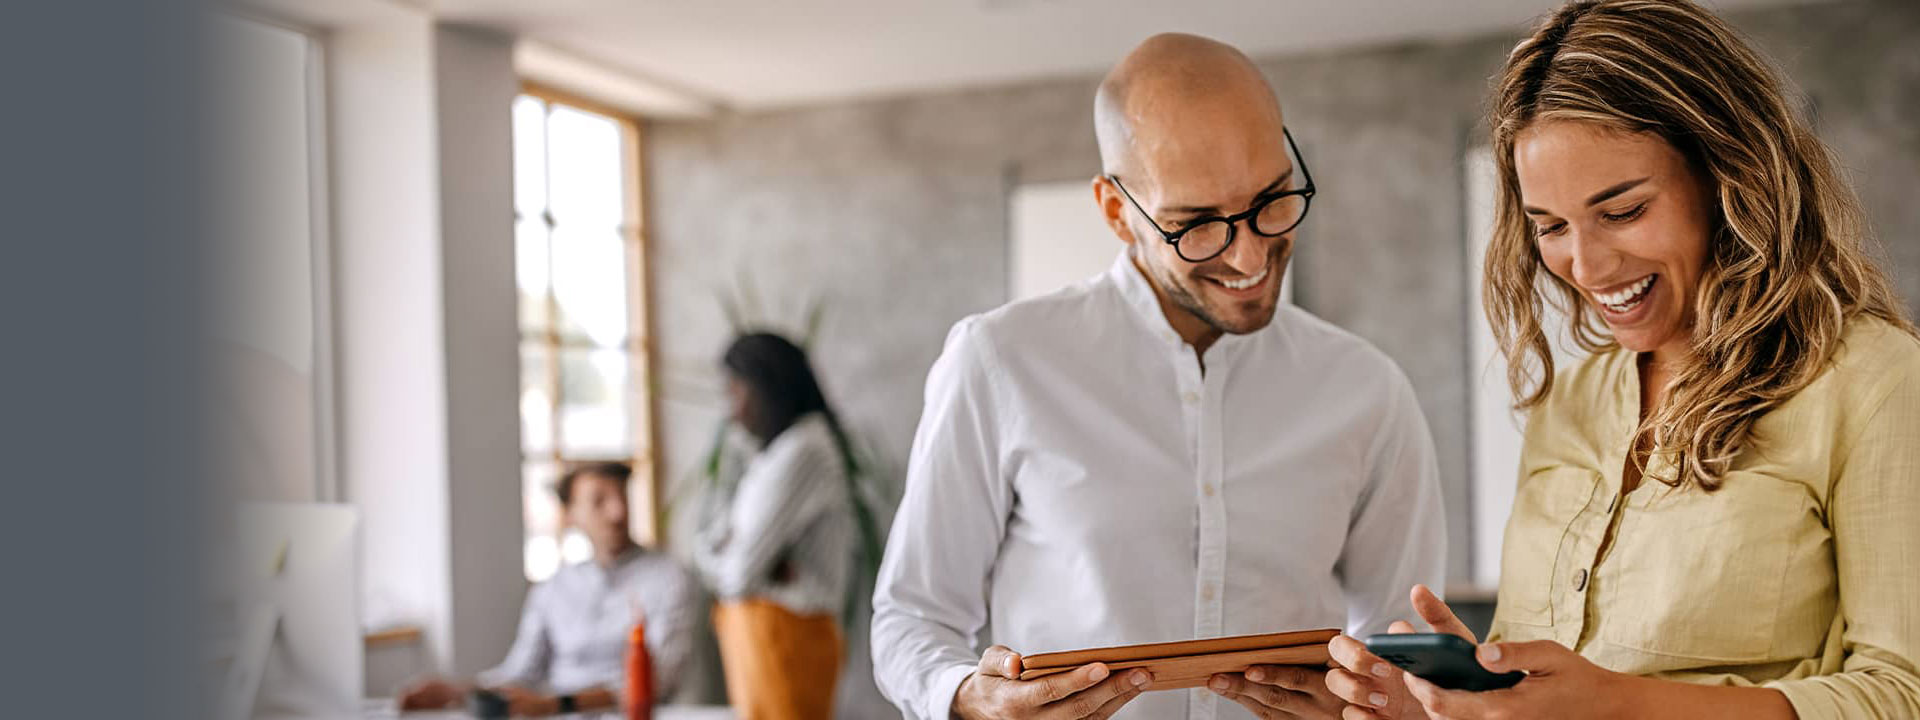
point(299, 651)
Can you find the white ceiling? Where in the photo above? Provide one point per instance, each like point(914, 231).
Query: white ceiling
point(752, 54)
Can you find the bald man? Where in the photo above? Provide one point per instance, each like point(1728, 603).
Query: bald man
point(1163, 452)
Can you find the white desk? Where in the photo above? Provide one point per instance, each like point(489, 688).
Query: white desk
point(383, 709)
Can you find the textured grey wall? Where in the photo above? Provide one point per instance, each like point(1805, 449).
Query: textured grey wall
point(894, 211)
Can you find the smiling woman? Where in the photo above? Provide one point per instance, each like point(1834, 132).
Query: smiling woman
point(1747, 356)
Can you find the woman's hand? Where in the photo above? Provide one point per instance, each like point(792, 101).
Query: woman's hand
point(1375, 689)
point(1559, 684)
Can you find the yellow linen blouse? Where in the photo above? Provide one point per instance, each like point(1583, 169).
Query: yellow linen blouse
point(1801, 573)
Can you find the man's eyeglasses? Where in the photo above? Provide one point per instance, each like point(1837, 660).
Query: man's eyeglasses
point(1271, 215)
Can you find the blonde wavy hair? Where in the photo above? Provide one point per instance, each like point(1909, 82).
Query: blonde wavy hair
point(1788, 261)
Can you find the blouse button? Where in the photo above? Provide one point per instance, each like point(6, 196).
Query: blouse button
point(1580, 580)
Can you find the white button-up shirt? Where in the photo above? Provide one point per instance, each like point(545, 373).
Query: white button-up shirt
point(1078, 481)
point(574, 627)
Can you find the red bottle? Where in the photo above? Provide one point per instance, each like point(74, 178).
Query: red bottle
point(639, 675)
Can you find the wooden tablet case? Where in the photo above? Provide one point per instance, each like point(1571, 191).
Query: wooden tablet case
point(1189, 664)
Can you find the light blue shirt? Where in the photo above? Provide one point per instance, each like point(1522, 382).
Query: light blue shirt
point(574, 627)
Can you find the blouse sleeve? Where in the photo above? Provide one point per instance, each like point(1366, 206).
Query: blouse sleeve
point(1874, 512)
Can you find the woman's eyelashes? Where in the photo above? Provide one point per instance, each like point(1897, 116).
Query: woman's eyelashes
point(1541, 229)
point(1627, 215)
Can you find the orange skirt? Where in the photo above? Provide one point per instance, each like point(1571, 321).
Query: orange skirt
point(779, 666)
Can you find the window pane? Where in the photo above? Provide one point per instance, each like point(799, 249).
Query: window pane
point(529, 156)
point(536, 400)
point(584, 159)
point(541, 510)
point(531, 271)
point(595, 403)
point(590, 285)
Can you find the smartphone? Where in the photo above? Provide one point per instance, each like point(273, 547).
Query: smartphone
point(1442, 659)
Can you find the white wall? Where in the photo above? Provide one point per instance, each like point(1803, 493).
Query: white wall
point(391, 341)
point(1058, 237)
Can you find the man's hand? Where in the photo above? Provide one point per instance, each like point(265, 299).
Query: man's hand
point(1278, 692)
point(1375, 688)
point(522, 702)
point(431, 694)
point(995, 692)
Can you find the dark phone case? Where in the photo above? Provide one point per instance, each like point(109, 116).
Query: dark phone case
point(1444, 660)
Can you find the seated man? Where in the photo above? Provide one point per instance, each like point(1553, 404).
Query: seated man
point(570, 653)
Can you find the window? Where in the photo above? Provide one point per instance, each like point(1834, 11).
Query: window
point(583, 360)
point(268, 297)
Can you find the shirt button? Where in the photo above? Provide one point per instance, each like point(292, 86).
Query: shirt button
point(1208, 489)
point(1191, 398)
point(1580, 580)
point(1206, 593)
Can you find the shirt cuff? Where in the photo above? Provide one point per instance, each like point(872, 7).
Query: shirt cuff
point(941, 691)
point(1808, 700)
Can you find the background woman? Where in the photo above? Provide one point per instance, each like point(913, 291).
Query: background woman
point(780, 555)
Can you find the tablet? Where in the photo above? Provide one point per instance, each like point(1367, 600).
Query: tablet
point(1191, 663)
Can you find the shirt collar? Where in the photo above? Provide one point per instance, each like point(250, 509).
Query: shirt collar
point(1140, 297)
point(620, 561)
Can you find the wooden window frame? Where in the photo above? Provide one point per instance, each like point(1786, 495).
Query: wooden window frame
point(642, 354)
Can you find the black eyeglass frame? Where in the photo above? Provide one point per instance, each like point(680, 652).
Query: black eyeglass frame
point(1251, 214)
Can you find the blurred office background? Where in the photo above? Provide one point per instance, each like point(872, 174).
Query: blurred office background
point(466, 242)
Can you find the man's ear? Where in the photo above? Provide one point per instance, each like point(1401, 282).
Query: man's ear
point(1113, 208)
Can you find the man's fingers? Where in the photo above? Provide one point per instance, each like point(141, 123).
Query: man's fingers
point(1087, 702)
point(1401, 627)
point(1058, 686)
point(1355, 712)
point(1130, 686)
point(1291, 677)
point(1258, 697)
point(999, 661)
point(1438, 615)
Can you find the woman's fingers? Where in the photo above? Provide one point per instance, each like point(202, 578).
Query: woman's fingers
point(1354, 656)
point(1355, 689)
point(1438, 615)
